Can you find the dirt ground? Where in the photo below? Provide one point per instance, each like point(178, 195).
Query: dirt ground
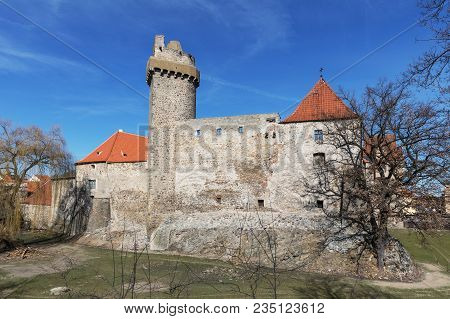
point(433, 278)
point(32, 261)
point(27, 263)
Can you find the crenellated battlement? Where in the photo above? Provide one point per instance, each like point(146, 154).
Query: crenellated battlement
point(171, 61)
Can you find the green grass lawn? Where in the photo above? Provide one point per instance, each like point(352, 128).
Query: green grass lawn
point(184, 277)
point(433, 248)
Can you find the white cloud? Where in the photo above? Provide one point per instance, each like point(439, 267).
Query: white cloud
point(11, 65)
point(246, 88)
point(16, 59)
point(265, 22)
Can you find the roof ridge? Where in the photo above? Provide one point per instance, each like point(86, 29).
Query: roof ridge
point(126, 148)
point(132, 134)
point(112, 146)
point(97, 147)
point(319, 104)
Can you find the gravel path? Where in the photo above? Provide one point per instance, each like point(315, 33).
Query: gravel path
point(434, 277)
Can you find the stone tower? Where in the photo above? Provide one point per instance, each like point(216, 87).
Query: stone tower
point(173, 80)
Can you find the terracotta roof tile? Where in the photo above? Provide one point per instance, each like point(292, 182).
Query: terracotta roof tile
point(40, 192)
point(6, 179)
point(120, 147)
point(320, 104)
point(387, 145)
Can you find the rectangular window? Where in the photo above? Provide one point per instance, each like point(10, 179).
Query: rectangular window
point(320, 204)
point(318, 136)
point(318, 159)
point(241, 129)
point(92, 184)
point(198, 132)
point(261, 203)
point(219, 200)
point(218, 131)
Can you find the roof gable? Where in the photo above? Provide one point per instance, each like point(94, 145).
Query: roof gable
point(320, 104)
point(120, 147)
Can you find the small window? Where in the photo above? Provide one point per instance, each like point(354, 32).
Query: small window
point(241, 129)
point(261, 203)
point(274, 135)
point(92, 184)
point(198, 132)
point(270, 119)
point(318, 136)
point(320, 204)
point(219, 200)
point(219, 131)
point(266, 135)
point(93, 166)
point(318, 159)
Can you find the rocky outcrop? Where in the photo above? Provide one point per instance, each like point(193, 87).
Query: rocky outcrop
point(295, 240)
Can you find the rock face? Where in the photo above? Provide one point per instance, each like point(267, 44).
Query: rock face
point(57, 291)
point(398, 261)
point(295, 240)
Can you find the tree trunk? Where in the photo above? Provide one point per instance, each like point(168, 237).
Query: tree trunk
point(382, 238)
point(381, 242)
point(380, 253)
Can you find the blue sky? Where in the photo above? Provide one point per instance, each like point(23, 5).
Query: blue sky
point(255, 56)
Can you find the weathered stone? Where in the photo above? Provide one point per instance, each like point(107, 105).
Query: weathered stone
point(57, 291)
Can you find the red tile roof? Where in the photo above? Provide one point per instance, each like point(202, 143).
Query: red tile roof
point(39, 192)
point(120, 147)
point(6, 179)
point(33, 185)
point(320, 104)
point(387, 145)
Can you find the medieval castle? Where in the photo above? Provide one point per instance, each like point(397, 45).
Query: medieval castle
point(192, 176)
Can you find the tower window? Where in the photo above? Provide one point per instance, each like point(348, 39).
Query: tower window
point(318, 136)
point(318, 159)
point(93, 166)
point(219, 131)
point(261, 203)
point(219, 200)
point(92, 184)
point(320, 204)
point(241, 129)
point(198, 132)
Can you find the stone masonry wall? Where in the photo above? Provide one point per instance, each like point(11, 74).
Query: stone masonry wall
point(38, 216)
point(173, 80)
point(238, 162)
point(120, 200)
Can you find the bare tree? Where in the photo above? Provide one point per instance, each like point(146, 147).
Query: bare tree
point(387, 167)
point(432, 67)
point(25, 151)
